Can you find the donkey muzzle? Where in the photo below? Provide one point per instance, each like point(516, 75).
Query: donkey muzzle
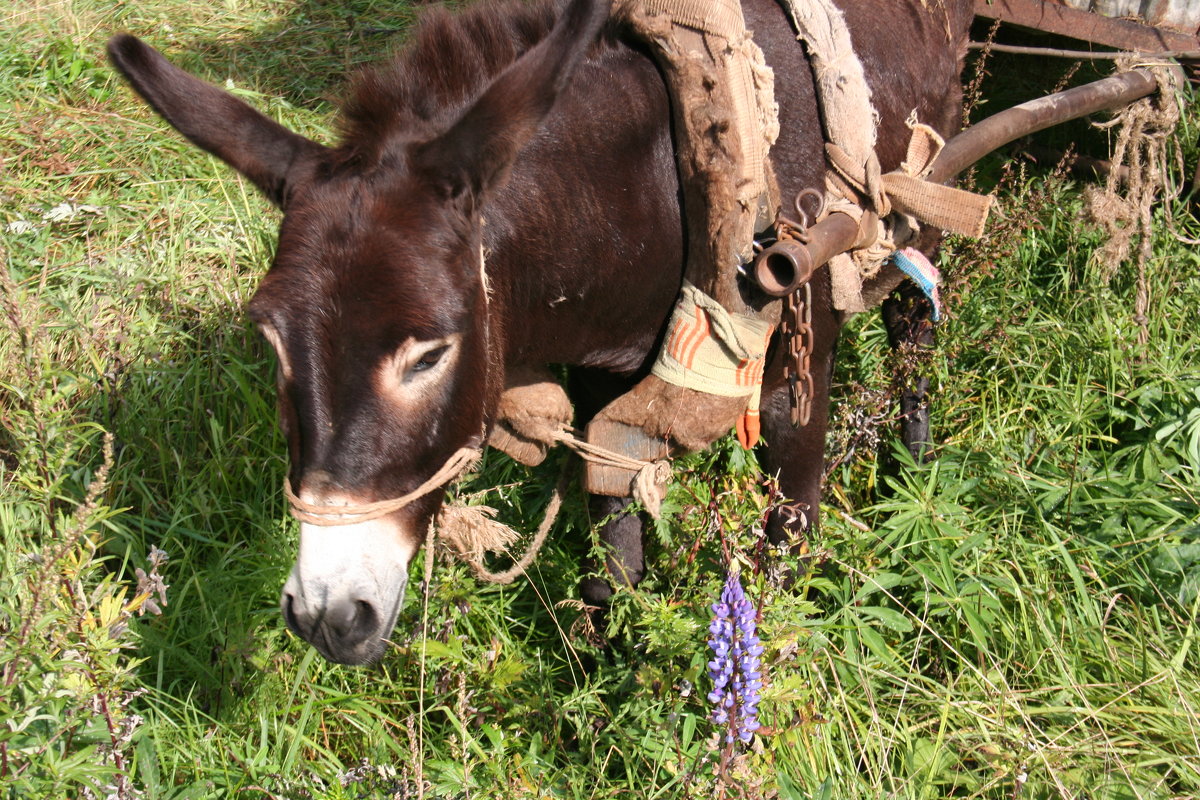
point(346, 588)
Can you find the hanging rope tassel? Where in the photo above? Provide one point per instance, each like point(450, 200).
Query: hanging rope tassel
point(470, 532)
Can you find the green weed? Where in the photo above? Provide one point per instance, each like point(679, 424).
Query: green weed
point(1015, 619)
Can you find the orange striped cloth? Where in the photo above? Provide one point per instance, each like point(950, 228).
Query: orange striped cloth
point(715, 352)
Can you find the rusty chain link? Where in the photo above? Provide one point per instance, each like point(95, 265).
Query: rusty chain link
point(797, 331)
point(796, 324)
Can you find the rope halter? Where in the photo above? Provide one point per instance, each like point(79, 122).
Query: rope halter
point(330, 515)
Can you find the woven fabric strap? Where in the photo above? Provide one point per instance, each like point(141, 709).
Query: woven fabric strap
point(720, 17)
point(715, 352)
point(710, 350)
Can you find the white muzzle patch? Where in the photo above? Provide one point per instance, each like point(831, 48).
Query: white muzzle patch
point(347, 586)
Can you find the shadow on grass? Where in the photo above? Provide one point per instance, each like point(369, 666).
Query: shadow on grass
point(200, 464)
point(308, 54)
point(311, 53)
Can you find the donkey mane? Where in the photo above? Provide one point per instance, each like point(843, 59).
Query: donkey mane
point(451, 57)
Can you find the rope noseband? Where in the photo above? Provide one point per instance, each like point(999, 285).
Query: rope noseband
point(330, 515)
point(470, 531)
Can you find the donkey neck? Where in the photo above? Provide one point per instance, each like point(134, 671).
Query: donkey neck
point(585, 240)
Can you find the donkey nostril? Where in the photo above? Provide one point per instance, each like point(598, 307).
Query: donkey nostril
point(352, 620)
point(367, 619)
point(289, 612)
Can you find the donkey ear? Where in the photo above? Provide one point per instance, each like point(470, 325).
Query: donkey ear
point(474, 156)
point(214, 120)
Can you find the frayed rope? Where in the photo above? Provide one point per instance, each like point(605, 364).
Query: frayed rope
point(471, 532)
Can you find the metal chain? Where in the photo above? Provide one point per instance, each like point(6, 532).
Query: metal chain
point(797, 331)
point(796, 325)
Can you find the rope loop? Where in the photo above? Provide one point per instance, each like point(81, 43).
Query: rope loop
point(471, 531)
point(332, 515)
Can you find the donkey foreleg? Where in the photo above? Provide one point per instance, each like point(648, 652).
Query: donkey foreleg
point(622, 546)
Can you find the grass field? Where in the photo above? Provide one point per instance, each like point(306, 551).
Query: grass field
point(1015, 619)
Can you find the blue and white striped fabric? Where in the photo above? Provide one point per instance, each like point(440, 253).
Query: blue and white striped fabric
point(925, 275)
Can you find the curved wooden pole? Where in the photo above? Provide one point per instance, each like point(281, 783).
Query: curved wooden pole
point(835, 235)
point(977, 141)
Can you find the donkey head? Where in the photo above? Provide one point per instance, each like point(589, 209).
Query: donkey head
point(376, 308)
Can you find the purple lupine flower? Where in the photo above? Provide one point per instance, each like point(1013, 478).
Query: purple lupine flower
point(736, 667)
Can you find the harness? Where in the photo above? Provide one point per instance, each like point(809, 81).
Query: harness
point(708, 375)
point(724, 110)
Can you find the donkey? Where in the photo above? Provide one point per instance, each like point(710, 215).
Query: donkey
point(541, 136)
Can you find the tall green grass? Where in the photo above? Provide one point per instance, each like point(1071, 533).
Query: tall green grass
point(1016, 618)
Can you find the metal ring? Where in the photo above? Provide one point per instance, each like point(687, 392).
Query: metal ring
point(805, 217)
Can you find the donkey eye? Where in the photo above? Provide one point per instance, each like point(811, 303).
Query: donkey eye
point(413, 357)
point(429, 359)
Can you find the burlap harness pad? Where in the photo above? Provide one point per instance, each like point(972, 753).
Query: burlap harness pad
point(723, 102)
point(900, 199)
point(532, 409)
point(726, 119)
